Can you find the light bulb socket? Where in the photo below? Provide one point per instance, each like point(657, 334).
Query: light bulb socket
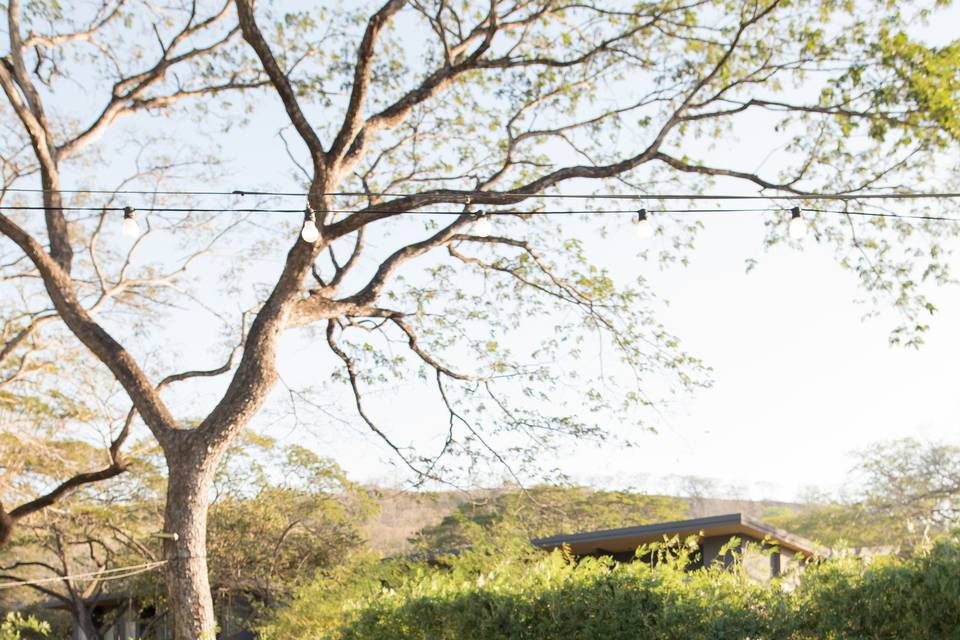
point(309, 215)
point(794, 213)
point(641, 215)
point(129, 213)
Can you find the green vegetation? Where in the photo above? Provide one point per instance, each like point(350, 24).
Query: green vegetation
point(547, 510)
point(16, 627)
point(289, 535)
point(280, 515)
point(268, 536)
point(494, 594)
point(835, 523)
point(907, 493)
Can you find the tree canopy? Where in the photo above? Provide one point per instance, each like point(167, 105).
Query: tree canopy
point(401, 145)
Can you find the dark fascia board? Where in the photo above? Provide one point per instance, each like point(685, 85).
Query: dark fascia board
point(690, 527)
point(104, 599)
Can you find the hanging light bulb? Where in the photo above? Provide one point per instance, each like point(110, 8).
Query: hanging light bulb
point(310, 233)
point(644, 229)
point(129, 227)
point(797, 227)
point(482, 226)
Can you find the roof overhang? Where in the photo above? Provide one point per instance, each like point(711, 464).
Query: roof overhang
point(629, 538)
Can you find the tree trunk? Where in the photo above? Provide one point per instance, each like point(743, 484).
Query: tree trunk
point(6, 526)
point(190, 474)
point(83, 621)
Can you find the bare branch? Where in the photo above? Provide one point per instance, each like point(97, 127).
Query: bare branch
point(414, 345)
point(369, 293)
point(351, 367)
point(128, 92)
point(281, 83)
point(361, 78)
point(38, 40)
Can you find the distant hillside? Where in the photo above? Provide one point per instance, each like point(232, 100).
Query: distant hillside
point(404, 513)
point(702, 507)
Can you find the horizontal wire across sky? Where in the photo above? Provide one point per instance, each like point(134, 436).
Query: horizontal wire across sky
point(582, 196)
point(466, 195)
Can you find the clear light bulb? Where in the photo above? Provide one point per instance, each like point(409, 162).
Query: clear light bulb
point(310, 233)
point(644, 229)
point(482, 226)
point(129, 227)
point(797, 228)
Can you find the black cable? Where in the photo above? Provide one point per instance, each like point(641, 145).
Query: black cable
point(149, 209)
point(466, 194)
point(878, 214)
point(16, 207)
point(874, 214)
point(764, 209)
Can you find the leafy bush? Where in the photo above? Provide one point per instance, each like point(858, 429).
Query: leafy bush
point(915, 598)
point(493, 594)
point(16, 627)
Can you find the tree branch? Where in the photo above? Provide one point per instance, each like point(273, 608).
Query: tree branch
point(60, 289)
point(361, 78)
point(281, 83)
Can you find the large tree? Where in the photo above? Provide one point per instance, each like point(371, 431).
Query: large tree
point(280, 516)
point(911, 486)
point(470, 108)
point(901, 493)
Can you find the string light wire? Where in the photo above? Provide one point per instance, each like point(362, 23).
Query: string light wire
point(104, 576)
point(634, 212)
point(915, 195)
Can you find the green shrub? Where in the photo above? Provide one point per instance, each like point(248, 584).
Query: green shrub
point(916, 598)
point(16, 627)
point(493, 594)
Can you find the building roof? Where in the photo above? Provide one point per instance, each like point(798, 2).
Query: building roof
point(629, 538)
point(103, 600)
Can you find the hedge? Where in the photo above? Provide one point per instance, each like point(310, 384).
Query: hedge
point(492, 595)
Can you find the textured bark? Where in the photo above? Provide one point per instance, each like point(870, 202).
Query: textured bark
point(190, 474)
point(6, 526)
point(82, 620)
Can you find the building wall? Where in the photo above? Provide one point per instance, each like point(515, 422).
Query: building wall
point(710, 548)
point(759, 562)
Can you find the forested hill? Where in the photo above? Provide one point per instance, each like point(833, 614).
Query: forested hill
point(409, 519)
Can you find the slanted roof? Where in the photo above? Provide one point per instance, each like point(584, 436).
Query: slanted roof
point(629, 538)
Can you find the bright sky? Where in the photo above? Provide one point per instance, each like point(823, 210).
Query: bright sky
point(800, 380)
